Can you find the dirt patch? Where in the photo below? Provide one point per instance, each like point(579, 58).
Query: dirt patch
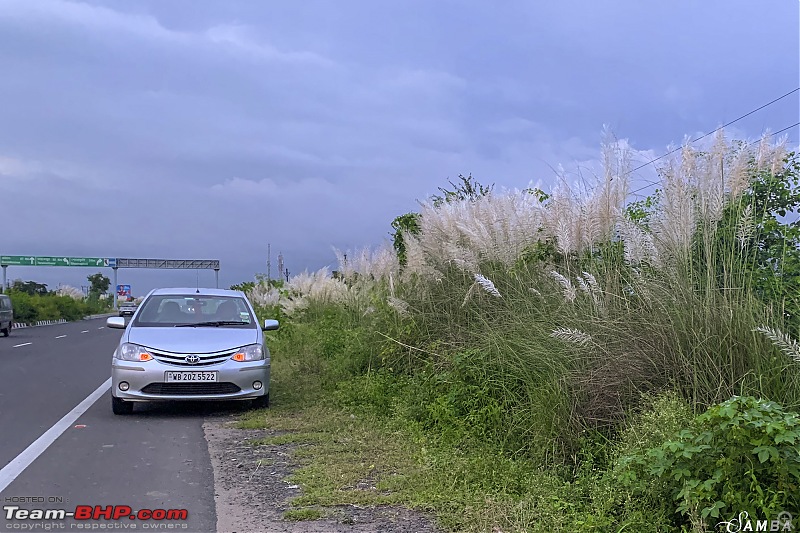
point(251, 491)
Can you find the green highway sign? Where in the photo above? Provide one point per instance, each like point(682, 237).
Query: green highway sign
point(52, 261)
point(87, 262)
point(17, 260)
point(34, 260)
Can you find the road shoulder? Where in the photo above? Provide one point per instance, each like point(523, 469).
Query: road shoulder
point(252, 490)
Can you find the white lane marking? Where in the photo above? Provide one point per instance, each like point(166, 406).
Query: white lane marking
point(60, 336)
point(13, 469)
point(102, 327)
point(85, 331)
point(23, 344)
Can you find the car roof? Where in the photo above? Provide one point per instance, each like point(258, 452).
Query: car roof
point(194, 291)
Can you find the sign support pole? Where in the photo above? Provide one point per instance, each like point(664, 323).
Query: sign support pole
point(115, 288)
point(5, 285)
point(216, 276)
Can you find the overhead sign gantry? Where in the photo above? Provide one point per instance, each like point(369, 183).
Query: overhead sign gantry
point(107, 262)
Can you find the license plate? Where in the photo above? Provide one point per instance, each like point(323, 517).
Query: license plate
point(182, 377)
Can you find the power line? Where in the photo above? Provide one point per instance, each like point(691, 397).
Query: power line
point(748, 144)
point(719, 128)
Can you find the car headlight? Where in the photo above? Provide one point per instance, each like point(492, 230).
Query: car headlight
point(254, 352)
point(132, 352)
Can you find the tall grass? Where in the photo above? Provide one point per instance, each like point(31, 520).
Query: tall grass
point(533, 318)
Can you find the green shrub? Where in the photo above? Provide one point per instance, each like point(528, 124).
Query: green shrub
point(69, 308)
point(742, 455)
point(640, 504)
point(47, 309)
point(50, 306)
point(24, 306)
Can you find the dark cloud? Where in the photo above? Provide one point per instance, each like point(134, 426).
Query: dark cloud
point(219, 127)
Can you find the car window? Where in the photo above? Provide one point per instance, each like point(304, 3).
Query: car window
point(172, 310)
point(5, 303)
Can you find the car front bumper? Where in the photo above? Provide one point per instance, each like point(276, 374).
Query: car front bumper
point(147, 381)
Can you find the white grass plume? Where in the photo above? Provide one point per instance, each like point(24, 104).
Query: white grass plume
point(591, 281)
point(677, 218)
point(637, 243)
point(379, 263)
point(487, 285)
point(782, 341)
point(399, 305)
point(571, 335)
point(263, 294)
point(72, 292)
point(745, 226)
point(593, 289)
point(569, 290)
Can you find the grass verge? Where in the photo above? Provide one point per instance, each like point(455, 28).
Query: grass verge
point(350, 456)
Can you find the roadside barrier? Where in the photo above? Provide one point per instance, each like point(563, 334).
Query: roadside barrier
point(102, 315)
point(20, 325)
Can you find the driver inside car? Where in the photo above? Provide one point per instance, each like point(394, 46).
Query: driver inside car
point(228, 311)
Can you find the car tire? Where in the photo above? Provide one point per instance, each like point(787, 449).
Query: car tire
point(262, 402)
point(6, 331)
point(121, 407)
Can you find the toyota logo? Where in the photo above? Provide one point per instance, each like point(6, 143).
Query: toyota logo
point(192, 359)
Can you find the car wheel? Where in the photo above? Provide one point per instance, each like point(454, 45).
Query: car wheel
point(262, 402)
point(121, 407)
point(5, 331)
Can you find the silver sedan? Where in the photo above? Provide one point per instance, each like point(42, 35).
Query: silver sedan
point(191, 344)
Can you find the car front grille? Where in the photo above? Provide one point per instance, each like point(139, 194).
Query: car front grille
point(178, 389)
point(179, 359)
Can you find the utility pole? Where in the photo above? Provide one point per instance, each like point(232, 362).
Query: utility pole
point(115, 288)
point(287, 275)
point(280, 263)
point(269, 264)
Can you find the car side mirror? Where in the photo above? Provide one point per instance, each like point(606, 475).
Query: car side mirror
point(116, 322)
point(271, 325)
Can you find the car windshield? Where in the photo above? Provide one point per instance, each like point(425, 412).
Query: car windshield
point(165, 310)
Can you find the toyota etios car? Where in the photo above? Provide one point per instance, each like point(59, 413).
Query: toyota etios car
point(191, 344)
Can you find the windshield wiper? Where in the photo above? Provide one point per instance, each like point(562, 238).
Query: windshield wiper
point(214, 323)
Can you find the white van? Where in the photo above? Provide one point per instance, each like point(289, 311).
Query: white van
point(6, 315)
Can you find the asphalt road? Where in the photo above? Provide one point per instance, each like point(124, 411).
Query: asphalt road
point(156, 458)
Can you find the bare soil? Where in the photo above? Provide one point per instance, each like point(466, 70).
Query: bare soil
point(252, 492)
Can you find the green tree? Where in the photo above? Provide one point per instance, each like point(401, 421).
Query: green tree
point(29, 287)
point(761, 233)
point(467, 188)
point(774, 198)
point(245, 286)
point(277, 283)
point(99, 284)
point(402, 225)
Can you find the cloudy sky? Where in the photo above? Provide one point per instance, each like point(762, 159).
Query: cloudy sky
point(208, 129)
